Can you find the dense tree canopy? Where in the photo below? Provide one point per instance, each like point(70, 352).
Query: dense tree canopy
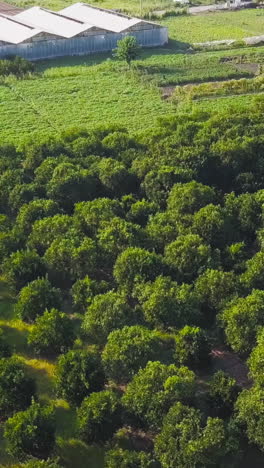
point(132, 274)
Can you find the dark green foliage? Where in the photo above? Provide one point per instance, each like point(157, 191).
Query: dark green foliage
point(215, 288)
point(161, 230)
point(209, 224)
point(70, 185)
point(78, 374)
point(155, 388)
point(90, 215)
point(5, 350)
point(127, 350)
point(140, 211)
point(17, 66)
point(250, 413)
point(136, 264)
point(115, 236)
point(254, 274)
point(158, 183)
point(23, 267)
point(34, 463)
point(242, 319)
point(188, 256)
point(46, 230)
point(69, 259)
point(22, 194)
point(185, 199)
point(33, 211)
point(106, 313)
point(83, 292)
point(16, 387)
point(99, 416)
point(256, 362)
point(157, 239)
point(196, 445)
point(165, 303)
point(192, 348)
point(127, 49)
point(128, 459)
point(114, 176)
point(31, 432)
point(34, 298)
point(223, 392)
point(53, 333)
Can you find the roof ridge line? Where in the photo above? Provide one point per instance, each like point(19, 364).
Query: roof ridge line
point(18, 22)
point(62, 16)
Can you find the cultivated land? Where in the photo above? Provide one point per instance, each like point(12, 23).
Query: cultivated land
point(131, 6)
point(216, 26)
point(89, 91)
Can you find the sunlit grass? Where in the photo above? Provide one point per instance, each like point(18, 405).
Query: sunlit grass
point(216, 26)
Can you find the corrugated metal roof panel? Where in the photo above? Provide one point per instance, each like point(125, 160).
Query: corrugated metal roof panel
point(14, 32)
point(104, 19)
point(52, 22)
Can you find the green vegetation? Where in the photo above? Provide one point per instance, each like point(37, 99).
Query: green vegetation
point(88, 90)
point(131, 260)
point(131, 253)
point(216, 26)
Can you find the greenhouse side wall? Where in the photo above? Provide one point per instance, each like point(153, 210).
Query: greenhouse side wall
point(83, 45)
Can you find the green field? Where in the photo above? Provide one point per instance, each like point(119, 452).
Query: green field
point(90, 91)
point(130, 6)
point(216, 26)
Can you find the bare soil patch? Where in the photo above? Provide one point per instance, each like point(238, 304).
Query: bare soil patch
point(230, 362)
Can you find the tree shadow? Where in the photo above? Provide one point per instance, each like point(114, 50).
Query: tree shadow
point(43, 373)
point(16, 338)
point(65, 420)
point(74, 453)
point(72, 61)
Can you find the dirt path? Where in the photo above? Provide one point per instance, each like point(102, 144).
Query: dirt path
point(226, 360)
point(207, 8)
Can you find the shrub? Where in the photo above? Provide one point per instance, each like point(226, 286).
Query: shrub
point(16, 388)
point(34, 298)
point(53, 333)
point(127, 350)
point(99, 416)
point(17, 66)
point(31, 432)
point(78, 374)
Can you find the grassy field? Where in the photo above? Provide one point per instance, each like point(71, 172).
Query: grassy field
point(130, 6)
point(76, 96)
point(216, 26)
point(72, 451)
point(89, 91)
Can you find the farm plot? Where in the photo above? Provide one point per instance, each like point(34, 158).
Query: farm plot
point(216, 26)
point(165, 67)
point(91, 94)
point(74, 96)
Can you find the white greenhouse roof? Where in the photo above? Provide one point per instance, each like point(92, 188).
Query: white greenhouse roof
point(67, 23)
point(52, 22)
point(13, 32)
point(103, 19)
